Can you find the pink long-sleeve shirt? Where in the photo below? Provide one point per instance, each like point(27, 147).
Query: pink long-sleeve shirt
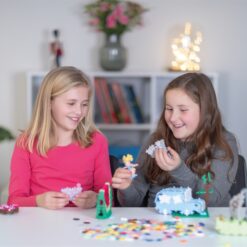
point(33, 174)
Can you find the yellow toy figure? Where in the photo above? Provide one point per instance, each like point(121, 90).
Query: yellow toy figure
point(127, 159)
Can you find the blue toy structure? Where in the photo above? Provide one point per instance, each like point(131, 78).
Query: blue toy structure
point(180, 200)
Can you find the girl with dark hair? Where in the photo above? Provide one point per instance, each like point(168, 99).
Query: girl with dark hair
point(201, 153)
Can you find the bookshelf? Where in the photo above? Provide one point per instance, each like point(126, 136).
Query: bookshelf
point(148, 87)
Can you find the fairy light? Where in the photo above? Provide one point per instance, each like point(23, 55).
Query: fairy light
point(185, 50)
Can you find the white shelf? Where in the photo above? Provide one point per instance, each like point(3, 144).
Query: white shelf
point(120, 126)
point(149, 88)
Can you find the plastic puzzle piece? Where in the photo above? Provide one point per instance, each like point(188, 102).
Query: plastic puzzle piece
point(104, 202)
point(234, 225)
point(178, 200)
point(158, 144)
point(9, 208)
point(204, 214)
point(127, 159)
point(72, 191)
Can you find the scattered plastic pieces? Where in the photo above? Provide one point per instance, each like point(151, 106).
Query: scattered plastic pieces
point(145, 230)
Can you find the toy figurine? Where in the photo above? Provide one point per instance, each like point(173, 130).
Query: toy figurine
point(127, 159)
point(104, 202)
point(56, 49)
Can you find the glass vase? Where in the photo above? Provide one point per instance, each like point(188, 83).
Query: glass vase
point(113, 54)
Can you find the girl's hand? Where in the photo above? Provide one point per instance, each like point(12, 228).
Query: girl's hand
point(52, 200)
point(86, 199)
point(122, 179)
point(167, 161)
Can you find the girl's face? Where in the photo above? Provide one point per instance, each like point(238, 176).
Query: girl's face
point(182, 114)
point(69, 108)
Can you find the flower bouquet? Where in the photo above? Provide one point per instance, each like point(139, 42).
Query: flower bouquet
point(114, 16)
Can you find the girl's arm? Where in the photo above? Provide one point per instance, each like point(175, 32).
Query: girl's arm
point(102, 170)
point(19, 187)
point(134, 195)
point(101, 175)
point(220, 185)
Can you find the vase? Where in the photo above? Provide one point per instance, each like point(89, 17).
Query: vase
point(112, 54)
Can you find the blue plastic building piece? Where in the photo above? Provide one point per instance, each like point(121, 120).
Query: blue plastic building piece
point(180, 200)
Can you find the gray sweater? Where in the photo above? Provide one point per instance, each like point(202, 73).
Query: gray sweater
point(224, 171)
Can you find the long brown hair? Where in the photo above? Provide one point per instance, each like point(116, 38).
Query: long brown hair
point(42, 125)
point(208, 135)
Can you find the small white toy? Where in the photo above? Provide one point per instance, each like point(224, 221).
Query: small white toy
point(72, 191)
point(158, 144)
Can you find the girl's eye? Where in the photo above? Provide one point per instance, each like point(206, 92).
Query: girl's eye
point(184, 110)
point(85, 105)
point(71, 103)
point(168, 109)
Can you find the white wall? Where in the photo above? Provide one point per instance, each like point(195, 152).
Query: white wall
point(25, 31)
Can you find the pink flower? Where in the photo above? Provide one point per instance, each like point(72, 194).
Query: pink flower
point(118, 10)
point(104, 7)
point(111, 21)
point(123, 19)
point(94, 22)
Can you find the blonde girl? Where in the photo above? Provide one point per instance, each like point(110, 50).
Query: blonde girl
point(61, 147)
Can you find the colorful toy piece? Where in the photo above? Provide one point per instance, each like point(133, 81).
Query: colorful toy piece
point(72, 191)
point(9, 208)
point(180, 200)
point(127, 159)
point(234, 225)
point(104, 202)
point(158, 144)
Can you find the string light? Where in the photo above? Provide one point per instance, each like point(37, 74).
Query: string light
point(185, 51)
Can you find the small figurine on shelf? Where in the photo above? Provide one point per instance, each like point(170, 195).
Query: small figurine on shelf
point(127, 159)
point(234, 225)
point(104, 202)
point(56, 49)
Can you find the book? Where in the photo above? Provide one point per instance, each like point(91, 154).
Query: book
point(101, 102)
point(133, 102)
point(108, 101)
point(116, 105)
point(123, 106)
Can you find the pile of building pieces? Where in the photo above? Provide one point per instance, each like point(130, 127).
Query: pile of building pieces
point(145, 230)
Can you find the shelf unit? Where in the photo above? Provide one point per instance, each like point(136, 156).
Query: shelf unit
point(149, 88)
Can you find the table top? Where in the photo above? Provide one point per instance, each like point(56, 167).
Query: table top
point(35, 226)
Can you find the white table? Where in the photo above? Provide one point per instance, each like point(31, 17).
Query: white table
point(41, 227)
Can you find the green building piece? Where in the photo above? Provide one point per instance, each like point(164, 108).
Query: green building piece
point(104, 202)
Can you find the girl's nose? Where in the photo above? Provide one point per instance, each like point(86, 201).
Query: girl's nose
point(174, 116)
point(78, 110)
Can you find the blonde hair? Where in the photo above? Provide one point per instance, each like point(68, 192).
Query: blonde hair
point(42, 125)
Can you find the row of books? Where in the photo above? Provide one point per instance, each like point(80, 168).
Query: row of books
point(117, 103)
